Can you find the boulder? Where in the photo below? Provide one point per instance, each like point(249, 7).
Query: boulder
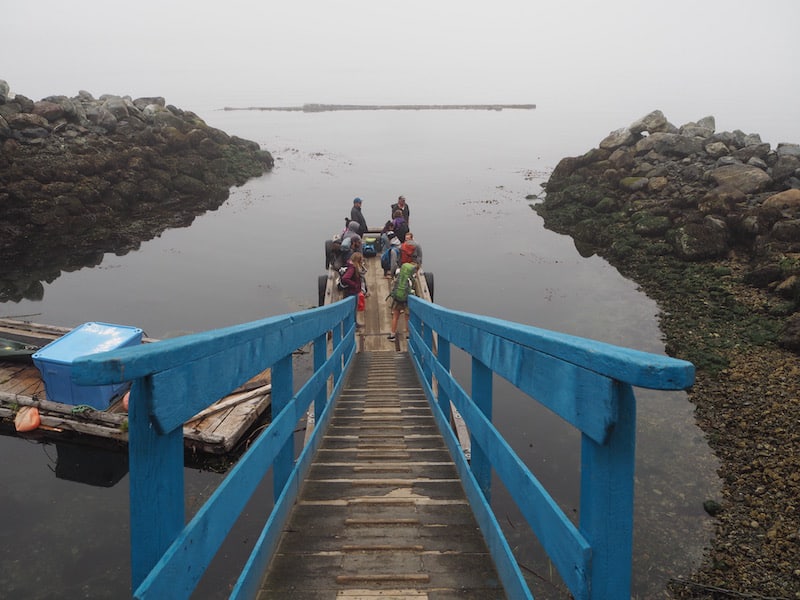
point(116, 106)
point(763, 276)
point(22, 121)
point(786, 167)
point(653, 122)
point(717, 149)
point(787, 231)
point(789, 199)
point(670, 144)
point(696, 241)
point(620, 137)
point(788, 150)
point(49, 110)
point(746, 178)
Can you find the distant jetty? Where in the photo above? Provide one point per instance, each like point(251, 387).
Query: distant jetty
point(330, 107)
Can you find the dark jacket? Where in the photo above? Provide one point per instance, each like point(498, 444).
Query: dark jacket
point(358, 217)
point(405, 210)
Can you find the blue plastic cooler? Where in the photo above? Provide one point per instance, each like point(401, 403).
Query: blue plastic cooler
point(54, 361)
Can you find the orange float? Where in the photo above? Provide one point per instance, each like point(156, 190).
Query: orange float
point(27, 419)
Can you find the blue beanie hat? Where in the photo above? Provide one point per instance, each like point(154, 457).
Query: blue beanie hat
point(356, 200)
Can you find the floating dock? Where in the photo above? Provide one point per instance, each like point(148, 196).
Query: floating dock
point(214, 431)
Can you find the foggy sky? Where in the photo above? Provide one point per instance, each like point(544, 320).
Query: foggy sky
point(735, 59)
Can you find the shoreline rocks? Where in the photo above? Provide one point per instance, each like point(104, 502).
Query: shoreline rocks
point(692, 194)
point(706, 223)
point(83, 176)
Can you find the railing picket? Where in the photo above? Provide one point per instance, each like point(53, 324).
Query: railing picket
point(482, 397)
point(443, 356)
point(282, 388)
point(606, 508)
point(320, 356)
point(155, 464)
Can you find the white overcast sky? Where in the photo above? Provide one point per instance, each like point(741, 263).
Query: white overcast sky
point(694, 57)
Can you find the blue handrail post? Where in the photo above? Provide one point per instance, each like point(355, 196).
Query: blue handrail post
point(443, 355)
point(427, 338)
point(606, 505)
point(320, 355)
point(155, 464)
point(482, 397)
point(336, 339)
point(282, 390)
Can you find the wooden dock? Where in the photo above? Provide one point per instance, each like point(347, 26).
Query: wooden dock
point(376, 319)
point(382, 513)
point(214, 431)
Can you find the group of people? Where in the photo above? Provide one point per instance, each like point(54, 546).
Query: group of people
point(397, 242)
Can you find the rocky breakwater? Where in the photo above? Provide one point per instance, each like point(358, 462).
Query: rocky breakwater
point(708, 224)
point(83, 176)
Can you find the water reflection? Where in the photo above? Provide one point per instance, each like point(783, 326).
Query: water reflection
point(90, 465)
point(26, 266)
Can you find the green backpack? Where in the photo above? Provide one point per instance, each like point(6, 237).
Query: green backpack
point(403, 284)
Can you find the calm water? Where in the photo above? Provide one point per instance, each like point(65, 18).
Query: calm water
point(466, 176)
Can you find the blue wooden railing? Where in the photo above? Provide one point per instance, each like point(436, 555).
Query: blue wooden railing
point(172, 381)
point(587, 383)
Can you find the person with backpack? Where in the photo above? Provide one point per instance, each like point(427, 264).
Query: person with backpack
point(387, 229)
point(399, 225)
point(390, 258)
point(351, 281)
point(410, 251)
point(402, 287)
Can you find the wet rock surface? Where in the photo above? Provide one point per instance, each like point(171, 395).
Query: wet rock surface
point(83, 176)
point(708, 224)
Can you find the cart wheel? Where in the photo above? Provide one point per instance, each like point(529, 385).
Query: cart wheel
point(429, 282)
point(328, 252)
point(322, 284)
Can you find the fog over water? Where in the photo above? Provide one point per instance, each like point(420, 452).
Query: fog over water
point(602, 64)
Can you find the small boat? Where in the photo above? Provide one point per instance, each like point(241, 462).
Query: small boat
point(15, 350)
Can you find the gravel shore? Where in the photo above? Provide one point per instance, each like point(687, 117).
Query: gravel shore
point(747, 401)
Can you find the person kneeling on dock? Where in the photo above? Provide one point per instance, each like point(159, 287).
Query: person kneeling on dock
point(402, 287)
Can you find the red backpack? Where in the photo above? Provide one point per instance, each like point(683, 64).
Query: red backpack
point(408, 252)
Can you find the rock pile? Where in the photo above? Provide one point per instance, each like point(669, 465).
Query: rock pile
point(82, 176)
point(693, 194)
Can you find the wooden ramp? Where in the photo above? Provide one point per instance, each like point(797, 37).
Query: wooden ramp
point(382, 513)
